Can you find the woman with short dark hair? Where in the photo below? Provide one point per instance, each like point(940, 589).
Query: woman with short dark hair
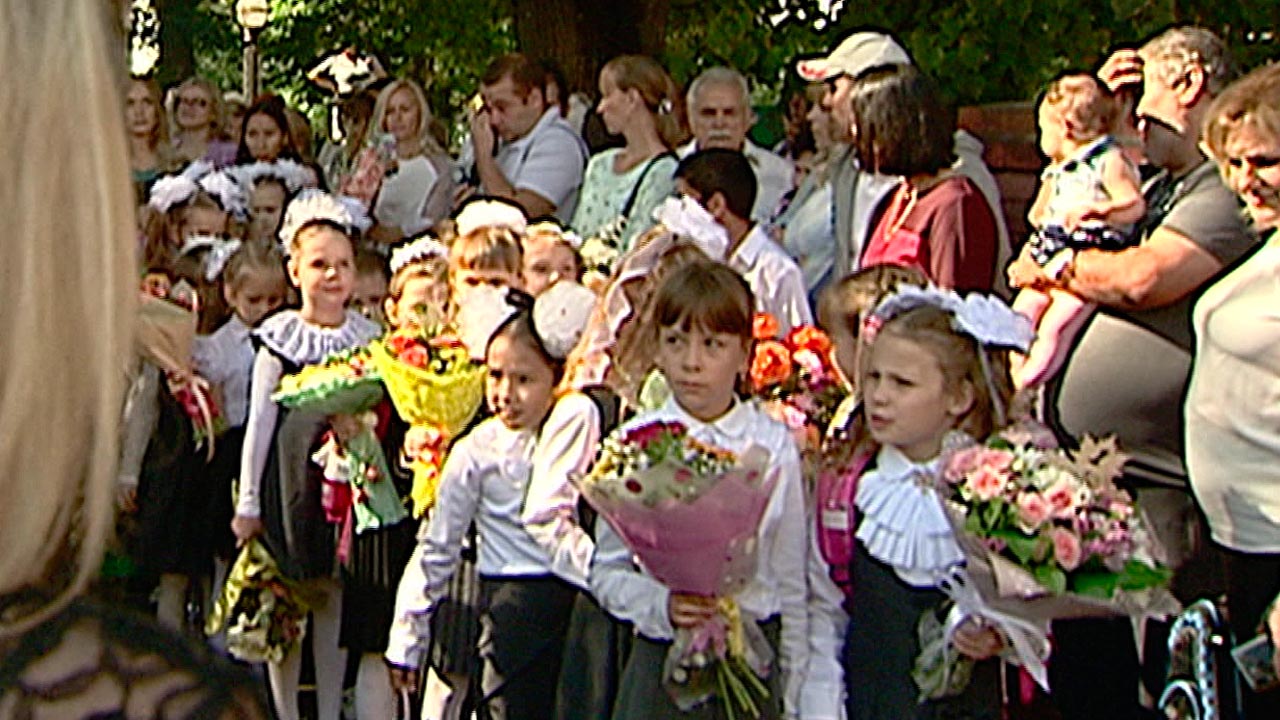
point(937, 220)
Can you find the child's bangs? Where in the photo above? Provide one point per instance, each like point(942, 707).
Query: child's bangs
point(717, 302)
point(487, 248)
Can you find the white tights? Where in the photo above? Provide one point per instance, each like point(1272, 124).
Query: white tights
point(330, 659)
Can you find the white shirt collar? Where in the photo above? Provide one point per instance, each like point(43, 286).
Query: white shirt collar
point(736, 423)
point(751, 248)
point(549, 116)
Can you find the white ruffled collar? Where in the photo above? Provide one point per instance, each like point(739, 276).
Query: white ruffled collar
point(303, 343)
point(903, 521)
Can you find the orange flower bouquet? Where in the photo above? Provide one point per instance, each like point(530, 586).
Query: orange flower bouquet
point(796, 380)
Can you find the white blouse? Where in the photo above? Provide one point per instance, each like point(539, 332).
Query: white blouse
point(484, 480)
point(225, 358)
point(774, 278)
point(779, 587)
point(566, 448)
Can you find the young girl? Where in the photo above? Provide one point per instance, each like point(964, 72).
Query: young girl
point(845, 305)
point(926, 385)
point(370, 291)
point(700, 328)
point(525, 605)
point(269, 186)
point(1090, 197)
point(550, 254)
point(378, 557)
point(196, 202)
point(279, 486)
point(254, 286)
point(488, 255)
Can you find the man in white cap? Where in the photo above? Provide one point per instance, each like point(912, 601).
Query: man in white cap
point(859, 192)
point(720, 116)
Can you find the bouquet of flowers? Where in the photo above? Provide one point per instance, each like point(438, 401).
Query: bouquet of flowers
point(357, 481)
point(601, 252)
point(166, 333)
point(436, 387)
point(1047, 535)
point(261, 609)
point(344, 383)
point(690, 513)
point(796, 379)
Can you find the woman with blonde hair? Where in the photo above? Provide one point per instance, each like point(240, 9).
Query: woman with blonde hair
point(66, 313)
point(418, 188)
point(149, 153)
point(623, 186)
point(1233, 445)
point(198, 124)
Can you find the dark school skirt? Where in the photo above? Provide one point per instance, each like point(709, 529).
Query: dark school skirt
point(175, 529)
point(522, 629)
point(642, 696)
point(595, 654)
point(369, 583)
point(881, 648)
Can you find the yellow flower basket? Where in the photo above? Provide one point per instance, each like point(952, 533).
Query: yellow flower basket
point(422, 397)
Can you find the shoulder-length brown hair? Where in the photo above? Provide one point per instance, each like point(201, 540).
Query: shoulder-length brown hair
point(902, 125)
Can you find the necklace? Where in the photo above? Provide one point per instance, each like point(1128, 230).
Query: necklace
point(904, 201)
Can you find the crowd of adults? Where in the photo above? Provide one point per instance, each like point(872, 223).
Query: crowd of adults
point(1179, 362)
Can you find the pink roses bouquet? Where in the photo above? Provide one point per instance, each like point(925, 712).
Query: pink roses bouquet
point(1046, 535)
point(690, 513)
point(1055, 516)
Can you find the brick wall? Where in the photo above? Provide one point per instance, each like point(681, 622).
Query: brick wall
point(1008, 130)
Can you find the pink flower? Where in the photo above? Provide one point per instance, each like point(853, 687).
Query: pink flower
point(793, 418)
point(810, 361)
point(998, 460)
point(1062, 498)
point(1033, 509)
point(961, 462)
point(985, 483)
point(1066, 548)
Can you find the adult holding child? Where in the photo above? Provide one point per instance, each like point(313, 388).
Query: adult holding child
point(1128, 369)
point(1232, 443)
point(639, 101)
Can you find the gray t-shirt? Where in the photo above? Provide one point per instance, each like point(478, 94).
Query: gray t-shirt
point(1128, 371)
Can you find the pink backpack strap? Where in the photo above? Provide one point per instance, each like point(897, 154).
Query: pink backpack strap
point(835, 518)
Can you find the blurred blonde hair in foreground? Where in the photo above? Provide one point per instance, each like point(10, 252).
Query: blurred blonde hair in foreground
point(67, 292)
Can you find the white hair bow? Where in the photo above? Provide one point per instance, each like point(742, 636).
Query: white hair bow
point(310, 206)
point(685, 217)
point(220, 251)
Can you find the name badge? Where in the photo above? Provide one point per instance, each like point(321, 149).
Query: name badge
point(835, 519)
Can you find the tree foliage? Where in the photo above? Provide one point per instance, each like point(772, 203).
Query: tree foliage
point(980, 50)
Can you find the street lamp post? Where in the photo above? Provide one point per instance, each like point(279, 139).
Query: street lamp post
point(252, 16)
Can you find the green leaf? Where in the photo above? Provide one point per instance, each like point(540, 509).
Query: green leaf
point(1052, 577)
point(1022, 547)
point(1139, 576)
point(1100, 585)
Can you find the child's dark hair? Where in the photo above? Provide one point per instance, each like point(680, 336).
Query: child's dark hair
point(251, 258)
point(962, 360)
point(369, 262)
point(705, 295)
point(519, 328)
point(728, 172)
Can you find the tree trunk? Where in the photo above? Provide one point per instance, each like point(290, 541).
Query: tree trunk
point(582, 35)
point(179, 22)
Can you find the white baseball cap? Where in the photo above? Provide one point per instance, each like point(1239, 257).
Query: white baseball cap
point(855, 55)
